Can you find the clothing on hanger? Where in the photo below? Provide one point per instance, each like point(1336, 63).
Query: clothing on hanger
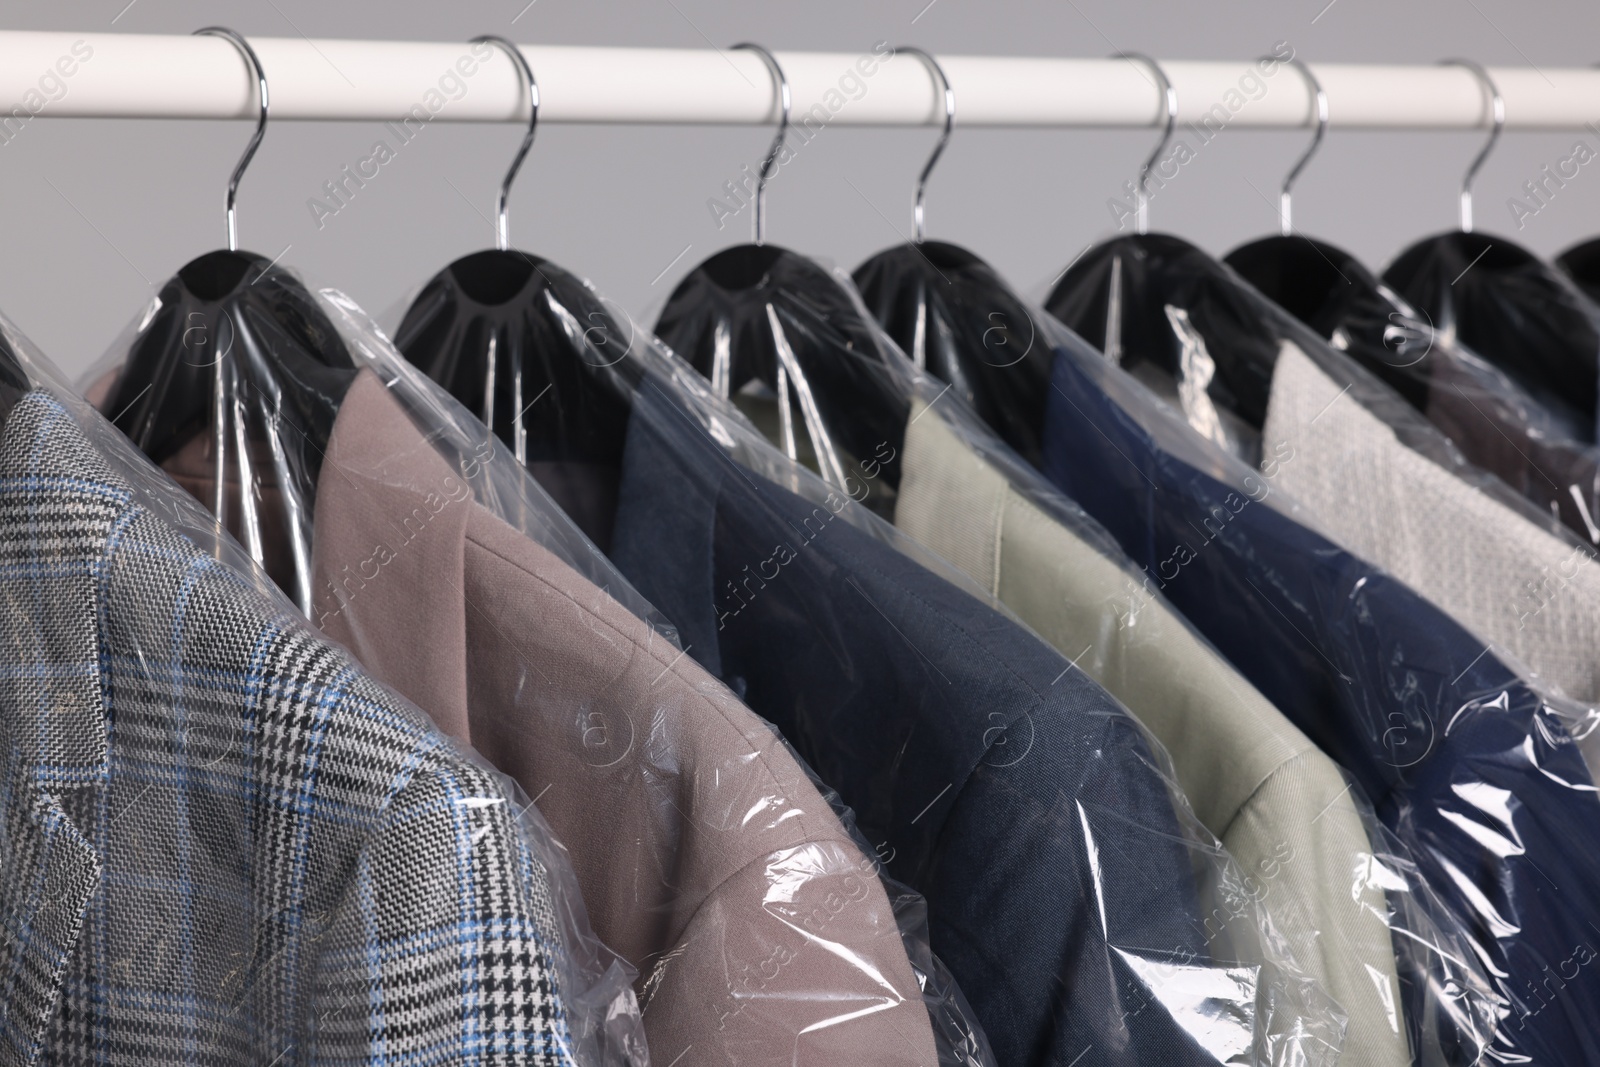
point(837, 675)
point(1514, 577)
point(1434, 726)
point(1281, 808)
point(1375, 476)
point(225, 841)
point(645, 544)
point(1493, 422)
point(720, 531)
point(688, 900)
point(1255, 780)
point(982, 765)
point(440, 563)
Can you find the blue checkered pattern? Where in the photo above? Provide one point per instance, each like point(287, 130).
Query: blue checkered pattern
point(220, 843)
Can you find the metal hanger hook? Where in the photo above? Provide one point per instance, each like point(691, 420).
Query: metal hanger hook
point(1497, 106)
point(502, 234)
point(1169, 96)
point(1319, 100)
point(250, 56)
point(942, 83)
point(769, 166)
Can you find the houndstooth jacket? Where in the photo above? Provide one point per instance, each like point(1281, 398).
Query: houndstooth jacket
point(220, 843)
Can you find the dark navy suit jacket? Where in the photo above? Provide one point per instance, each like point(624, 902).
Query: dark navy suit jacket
point(1460, 757)
point(1010, 790)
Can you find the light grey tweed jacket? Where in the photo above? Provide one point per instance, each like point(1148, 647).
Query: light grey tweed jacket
point(220, 843)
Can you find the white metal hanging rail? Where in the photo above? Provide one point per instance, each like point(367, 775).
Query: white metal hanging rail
point(150, 76)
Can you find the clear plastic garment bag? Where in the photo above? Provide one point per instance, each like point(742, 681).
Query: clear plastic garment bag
point(794, 593)
point(1068, 578)
point(727, 877)
point(242, 846)
point(750, 917)
point(1252, 471)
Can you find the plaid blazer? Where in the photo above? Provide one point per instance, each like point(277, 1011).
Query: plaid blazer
point(220, 842)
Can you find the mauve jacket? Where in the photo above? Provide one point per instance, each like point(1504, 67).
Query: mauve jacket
point(706, 855)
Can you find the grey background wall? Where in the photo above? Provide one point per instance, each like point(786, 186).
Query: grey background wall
point(95, 214)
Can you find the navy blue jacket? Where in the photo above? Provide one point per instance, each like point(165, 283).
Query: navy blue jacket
point(1010, 790)
point(1460, 757)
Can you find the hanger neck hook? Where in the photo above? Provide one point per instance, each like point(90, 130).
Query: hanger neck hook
point(502, 224)
point(769, 165)
point(1169, 98)
point(1497, 112)
point(942, 83)
point(250, 56)
point(1319, 100)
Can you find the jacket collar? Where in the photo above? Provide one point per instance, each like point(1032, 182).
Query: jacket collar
point(672, 476)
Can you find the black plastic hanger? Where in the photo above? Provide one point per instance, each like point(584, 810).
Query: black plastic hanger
point(1150, 301)
point(760, 313)
point(1339, 299)
point(233, 320)
point(535, 353)
point(1297, 272)
point(1506, 304)
point(238, 349)
point(1328, 289)
point(1516, 311)
point(1172, 315)
point(233, 323)
point(954, 316)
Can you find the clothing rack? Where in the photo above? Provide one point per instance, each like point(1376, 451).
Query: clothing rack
point(172, 76)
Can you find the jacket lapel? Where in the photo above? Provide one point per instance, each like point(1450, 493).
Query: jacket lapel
point(50, 872)
point(671, 483)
